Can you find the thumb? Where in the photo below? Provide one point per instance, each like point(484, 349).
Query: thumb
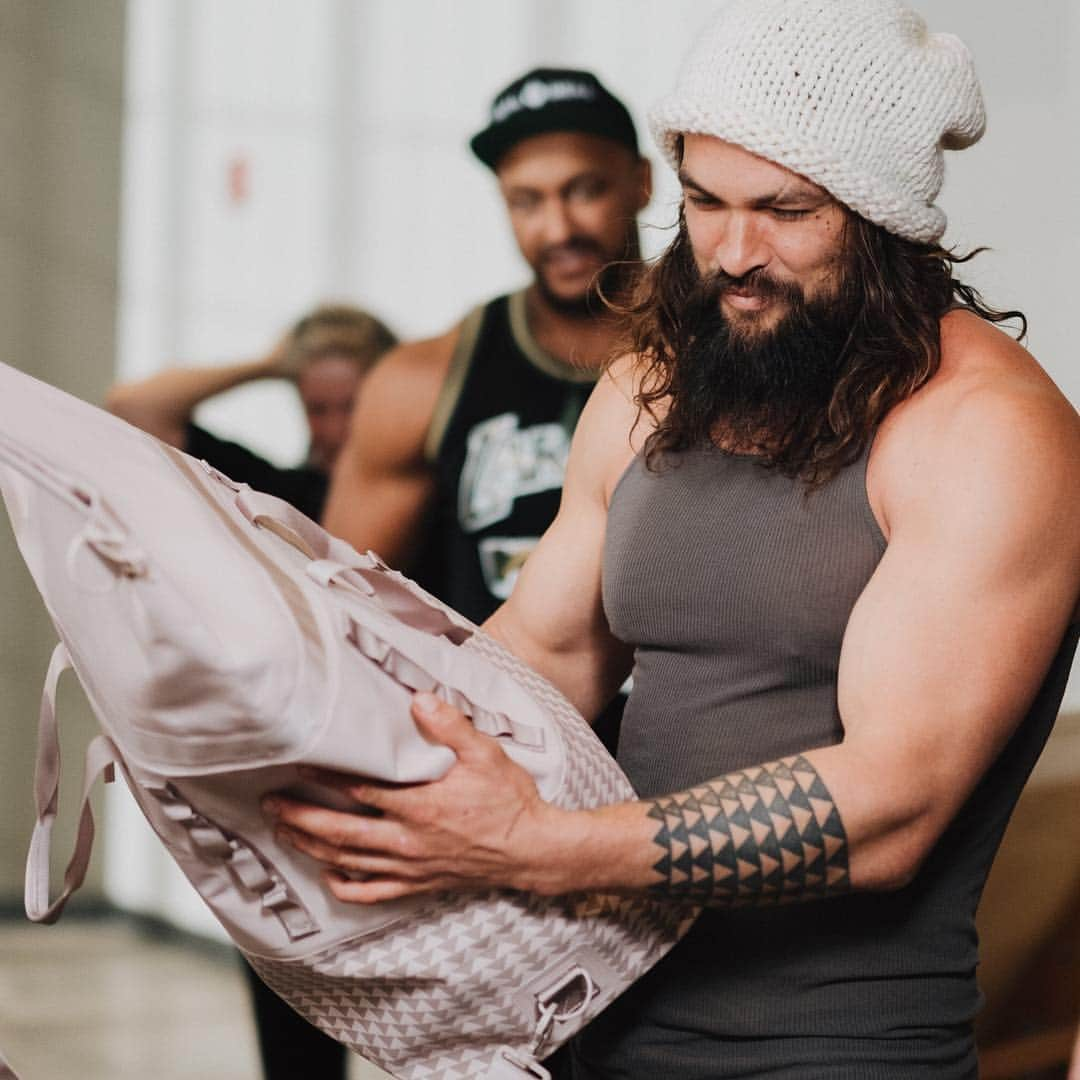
point(441, 723)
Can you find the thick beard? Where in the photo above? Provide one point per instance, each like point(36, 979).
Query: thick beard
point(749, 389)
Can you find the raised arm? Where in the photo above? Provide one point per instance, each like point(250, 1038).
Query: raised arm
point(381, 483)
point(163, 404)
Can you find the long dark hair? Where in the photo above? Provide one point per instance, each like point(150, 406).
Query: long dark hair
point(896, 291)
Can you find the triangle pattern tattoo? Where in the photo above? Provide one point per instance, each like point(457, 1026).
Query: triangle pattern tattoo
point(763, 835)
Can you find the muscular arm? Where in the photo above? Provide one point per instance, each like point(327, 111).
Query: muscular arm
point(554, 619)
point(943, 653)
point(381, 484)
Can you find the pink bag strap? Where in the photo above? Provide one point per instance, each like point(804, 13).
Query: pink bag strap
point(266, 511)
point(103, 533)
point(101, 756)
point(251, 874)
point(333, 560)
point(412, 675)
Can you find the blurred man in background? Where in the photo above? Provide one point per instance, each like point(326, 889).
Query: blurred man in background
point(455, 464)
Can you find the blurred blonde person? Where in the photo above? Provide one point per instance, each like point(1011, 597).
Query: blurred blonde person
point(326, 354)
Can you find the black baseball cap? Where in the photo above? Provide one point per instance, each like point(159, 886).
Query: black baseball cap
point(552, 99)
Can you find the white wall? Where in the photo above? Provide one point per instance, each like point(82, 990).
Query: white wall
point(351, 119)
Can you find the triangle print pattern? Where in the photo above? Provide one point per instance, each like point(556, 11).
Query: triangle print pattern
point(433, 997)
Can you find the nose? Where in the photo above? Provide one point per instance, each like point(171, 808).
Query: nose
point(739, 246)
point(556, 225)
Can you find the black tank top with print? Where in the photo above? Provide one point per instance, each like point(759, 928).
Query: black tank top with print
point(498, 445)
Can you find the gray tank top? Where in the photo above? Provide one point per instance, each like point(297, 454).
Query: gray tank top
point(735, 586)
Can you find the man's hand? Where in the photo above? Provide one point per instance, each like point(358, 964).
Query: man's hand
point(482, 825)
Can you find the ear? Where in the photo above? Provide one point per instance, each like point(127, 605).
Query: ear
point(644, 181)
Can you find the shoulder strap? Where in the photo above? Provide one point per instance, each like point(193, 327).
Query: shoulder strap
point(101, 756)
point(534, 353)
point(460, 362)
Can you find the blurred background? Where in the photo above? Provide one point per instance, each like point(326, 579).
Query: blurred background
point(181, 178)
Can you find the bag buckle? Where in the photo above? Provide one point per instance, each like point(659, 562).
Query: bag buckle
point(509, 1065)
point(566, 999)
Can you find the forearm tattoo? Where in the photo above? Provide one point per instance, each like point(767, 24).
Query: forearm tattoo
point(771, 834)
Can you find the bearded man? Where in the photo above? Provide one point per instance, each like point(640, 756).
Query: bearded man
point(830, 510)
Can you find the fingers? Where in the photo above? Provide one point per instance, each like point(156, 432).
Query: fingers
point(441, 723)
point(384, 877)
point(421, 837)
point(333, 827)
point(438, 722)
point(375, 890)
point(367, 794)
point(373, 860)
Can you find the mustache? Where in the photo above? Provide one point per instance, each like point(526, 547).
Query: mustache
point(576, 245)
point(711, 287)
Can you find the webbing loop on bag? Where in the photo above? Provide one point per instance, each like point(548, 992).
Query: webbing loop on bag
point(103, 533)
point(410, 675)
point(101, 756)
point(566, 999)
point(111, 545)
point(268, 512)
point(245, 867)
point(327, 571)
point(570, 996)
point(510, 1065)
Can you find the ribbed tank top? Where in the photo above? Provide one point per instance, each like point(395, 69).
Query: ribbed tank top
point(734, 585)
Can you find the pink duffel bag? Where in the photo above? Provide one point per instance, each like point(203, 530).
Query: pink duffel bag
point(223, 639)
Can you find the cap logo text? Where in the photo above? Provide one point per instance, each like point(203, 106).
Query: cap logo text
point(538, 93)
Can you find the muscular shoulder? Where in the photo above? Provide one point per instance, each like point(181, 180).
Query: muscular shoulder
point(398, 398)
point(612, 429)
point(411, 375)
point(990, 434)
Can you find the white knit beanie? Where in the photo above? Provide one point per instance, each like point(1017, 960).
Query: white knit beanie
point(855, 95)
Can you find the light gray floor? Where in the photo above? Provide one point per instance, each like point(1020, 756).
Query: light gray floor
point(98, 1000)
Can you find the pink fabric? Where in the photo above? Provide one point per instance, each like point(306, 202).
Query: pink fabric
point(223, 639)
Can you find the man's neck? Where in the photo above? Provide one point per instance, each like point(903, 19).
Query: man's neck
point(581, 341)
